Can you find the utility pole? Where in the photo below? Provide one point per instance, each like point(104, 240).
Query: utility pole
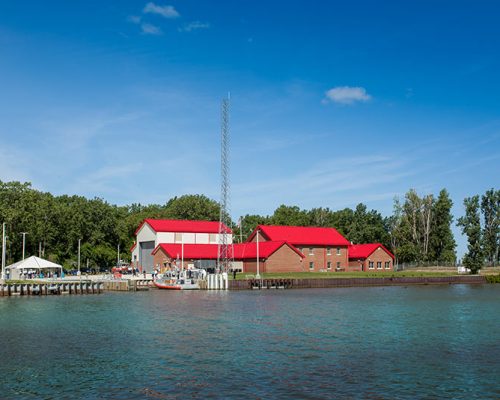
point(3, 252)
point(24, 241)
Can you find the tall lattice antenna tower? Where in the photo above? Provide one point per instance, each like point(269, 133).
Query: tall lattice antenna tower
point(225, 249)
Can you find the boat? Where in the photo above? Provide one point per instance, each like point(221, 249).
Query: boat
point(181, 280)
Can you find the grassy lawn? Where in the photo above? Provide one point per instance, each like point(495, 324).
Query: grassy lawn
point(323, 275)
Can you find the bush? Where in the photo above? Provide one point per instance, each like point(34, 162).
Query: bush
point(493, 278)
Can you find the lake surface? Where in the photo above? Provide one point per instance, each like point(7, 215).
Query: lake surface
point(388, 342)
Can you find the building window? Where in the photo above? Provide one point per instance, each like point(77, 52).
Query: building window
point(338, 264)
point(178, 237)
point(338, 251)
point(370, 265)
point(387, 265)
point(329, 265)
point(328, 251)
point(311, 251)
point(311, 265)
point(379, 264)
point(212, 237)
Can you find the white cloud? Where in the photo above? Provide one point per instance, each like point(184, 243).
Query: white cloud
point(150, 29)
point(194, 26)
point(347, 95)
point(134, 19)
point(164, 11)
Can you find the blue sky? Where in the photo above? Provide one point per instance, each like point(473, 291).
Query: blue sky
point(332, 103)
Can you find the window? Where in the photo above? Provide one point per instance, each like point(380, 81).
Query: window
point(329, 265)
point(338, 251)
point(379, 264)
point(387, 265)
point(178, 237)
point(311, 265)
point(338, 264)
point(311, 251)
point(328, 251)
point(370, 265)
point(212, 237)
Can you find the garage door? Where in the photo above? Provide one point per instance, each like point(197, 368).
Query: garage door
point(145, 256)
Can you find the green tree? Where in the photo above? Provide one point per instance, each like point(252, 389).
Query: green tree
point(442, 242)
point(412, 227)
point(342, 220)
point(320, 216)
point(291, 216)
point(471, 227)
point(490, 207)
point(192, 207)
point(368, 227)
point(249, 223)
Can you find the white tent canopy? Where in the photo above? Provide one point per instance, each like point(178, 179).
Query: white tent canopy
point(32, 265)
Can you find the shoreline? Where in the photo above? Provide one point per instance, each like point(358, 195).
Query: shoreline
point(355, 282)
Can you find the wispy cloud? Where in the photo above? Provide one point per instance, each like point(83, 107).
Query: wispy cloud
point(105, 179)
point(347, 95)
point(150, 29)
point(195, 25)
point(164, 11)
point(135, 19)
point(334, 183)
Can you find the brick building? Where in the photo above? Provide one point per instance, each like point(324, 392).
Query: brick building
point(323, 249)
point(371, 257)
point(273, 256)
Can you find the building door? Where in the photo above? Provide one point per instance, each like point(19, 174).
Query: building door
point(145, 256)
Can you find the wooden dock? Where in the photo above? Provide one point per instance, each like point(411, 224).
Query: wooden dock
point(50, 288)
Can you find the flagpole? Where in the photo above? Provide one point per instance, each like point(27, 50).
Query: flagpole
point(3, 252)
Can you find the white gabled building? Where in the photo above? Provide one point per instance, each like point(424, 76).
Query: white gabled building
point(153, 232)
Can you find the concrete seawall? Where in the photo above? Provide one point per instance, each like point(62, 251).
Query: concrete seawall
point(348, 282)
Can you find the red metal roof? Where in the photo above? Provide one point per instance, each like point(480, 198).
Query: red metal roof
point(302, 235)
point(241, 251)
point(191, 251)
point(248, 250)
point(133, 247)
point(178, 225)
point(357, 251)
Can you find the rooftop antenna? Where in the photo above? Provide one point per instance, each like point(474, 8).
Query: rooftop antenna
point(225, 248)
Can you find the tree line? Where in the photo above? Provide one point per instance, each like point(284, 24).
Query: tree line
point(419, 228)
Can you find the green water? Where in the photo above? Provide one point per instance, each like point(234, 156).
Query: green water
point(390, 342)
